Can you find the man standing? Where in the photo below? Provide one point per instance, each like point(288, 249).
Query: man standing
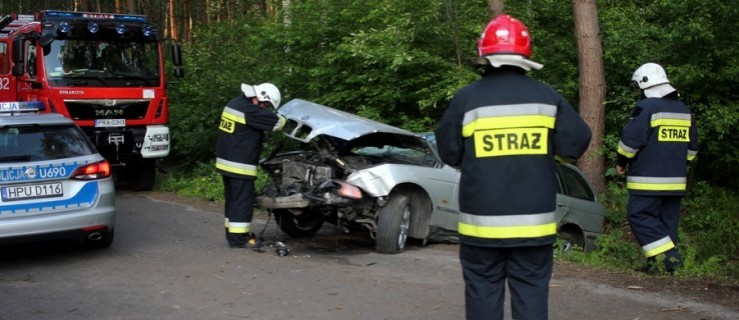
point(243, 121)
point(504, 132)
point(656, 144)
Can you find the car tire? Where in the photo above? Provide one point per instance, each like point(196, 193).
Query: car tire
point(105, 241)
point(304, 225)
point(570, 241)
point(394, 220)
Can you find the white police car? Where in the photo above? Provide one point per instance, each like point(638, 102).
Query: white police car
point(53, 182)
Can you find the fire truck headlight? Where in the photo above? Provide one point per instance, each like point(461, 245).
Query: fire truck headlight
point(93, 27)
point(148, 30)
point(63, 27)
point(120, 28)
point(159, 137)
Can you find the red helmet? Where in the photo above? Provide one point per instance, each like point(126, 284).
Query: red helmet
point(505, 35)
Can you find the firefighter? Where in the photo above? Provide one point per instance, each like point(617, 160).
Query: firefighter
point(504, 131)
point(656, 144)
point(240, 135)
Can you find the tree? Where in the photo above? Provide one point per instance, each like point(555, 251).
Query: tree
point(592, 85)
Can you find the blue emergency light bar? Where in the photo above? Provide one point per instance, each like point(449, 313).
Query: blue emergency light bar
point(90, 15)
point(21, 106)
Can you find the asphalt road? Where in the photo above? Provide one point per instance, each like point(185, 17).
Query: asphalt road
point(170, 261)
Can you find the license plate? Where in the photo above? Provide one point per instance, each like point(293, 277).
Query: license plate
point(104, 123)
point(32, 191)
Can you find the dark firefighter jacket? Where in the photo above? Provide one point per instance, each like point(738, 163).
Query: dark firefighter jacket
point(504, 132)
point(656, 144)
point(240, 137)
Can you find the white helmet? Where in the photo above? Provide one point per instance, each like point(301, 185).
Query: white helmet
point(652, 78)
point(265, 92)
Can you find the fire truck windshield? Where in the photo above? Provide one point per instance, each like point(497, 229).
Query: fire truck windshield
point(102, 63)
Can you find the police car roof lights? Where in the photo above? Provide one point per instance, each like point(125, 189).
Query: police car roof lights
point(21, 107)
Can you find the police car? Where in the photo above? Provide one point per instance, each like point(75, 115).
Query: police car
point(53, 182)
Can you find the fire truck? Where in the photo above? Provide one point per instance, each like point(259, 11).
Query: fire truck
point(104, 71)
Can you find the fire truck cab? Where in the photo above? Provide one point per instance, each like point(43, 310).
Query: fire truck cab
point(104, 71)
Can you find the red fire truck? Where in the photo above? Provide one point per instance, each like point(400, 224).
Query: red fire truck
point(104, 71)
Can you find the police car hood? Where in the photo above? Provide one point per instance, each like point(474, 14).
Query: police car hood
point(308, 120)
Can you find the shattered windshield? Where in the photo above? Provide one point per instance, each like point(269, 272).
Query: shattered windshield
point(102, 63)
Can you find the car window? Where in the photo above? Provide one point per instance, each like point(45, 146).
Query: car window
point(39, 143)
point(575, 185)
point(394, 154)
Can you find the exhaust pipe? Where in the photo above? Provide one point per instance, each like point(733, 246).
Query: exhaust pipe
point(94, 236)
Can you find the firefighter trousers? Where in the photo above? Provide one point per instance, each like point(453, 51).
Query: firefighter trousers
point(654, 221)
point(239, 208)
point(486, 271)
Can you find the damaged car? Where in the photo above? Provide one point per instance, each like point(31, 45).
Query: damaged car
point(363, 175)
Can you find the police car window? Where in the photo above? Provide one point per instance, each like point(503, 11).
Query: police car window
point(39, 143)
point(575, 184)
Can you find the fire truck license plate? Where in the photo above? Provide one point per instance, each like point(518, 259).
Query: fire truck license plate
point(110, 122)
point(32, 191)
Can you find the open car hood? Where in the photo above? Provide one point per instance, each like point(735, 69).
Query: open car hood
point(307, 120)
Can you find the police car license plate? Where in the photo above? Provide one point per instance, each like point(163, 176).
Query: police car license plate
point(32, 191)
point(104, 123)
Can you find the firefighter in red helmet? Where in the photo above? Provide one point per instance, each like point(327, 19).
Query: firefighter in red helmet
point(504, 132)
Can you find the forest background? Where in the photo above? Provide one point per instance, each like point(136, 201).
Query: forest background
point(400, 62)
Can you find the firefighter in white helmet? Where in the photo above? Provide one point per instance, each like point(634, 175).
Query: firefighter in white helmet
point(240, 135)
point(656, 144)
point(504, 132)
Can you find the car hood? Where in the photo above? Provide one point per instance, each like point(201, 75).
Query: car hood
point(307, 120)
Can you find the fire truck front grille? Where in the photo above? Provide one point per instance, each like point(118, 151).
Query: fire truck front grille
point(107, 109)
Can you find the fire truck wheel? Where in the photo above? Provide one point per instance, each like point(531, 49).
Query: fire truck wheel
point(142, 175)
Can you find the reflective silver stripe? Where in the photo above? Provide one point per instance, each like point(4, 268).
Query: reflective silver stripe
point(234, 112)
point(657, 244)
point(507, 221)
point(626, 148)
point(510, 110)
point(280, 123)
point(692, 153)
point(656, 180)
point(237, 224)
point(671, 115)
point(236, 165)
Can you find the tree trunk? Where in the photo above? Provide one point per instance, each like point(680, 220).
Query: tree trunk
point(592, 86)
point(497, 7)
point(131, 6)
point(172, 21)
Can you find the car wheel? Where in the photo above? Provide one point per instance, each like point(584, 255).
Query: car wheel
point(570, 241)
point(302, 225)
point(394, 220)
point(104, 240)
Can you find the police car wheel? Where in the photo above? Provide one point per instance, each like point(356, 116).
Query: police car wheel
point(394, 221)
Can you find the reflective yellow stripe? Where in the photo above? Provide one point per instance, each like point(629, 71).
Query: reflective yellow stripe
point(657, 247)
point(670, 119)
point(656, 186)
point(237, 227)
point(670, 122)
point(508, 232)
point(507, 122)
point(626, 151)
point(235, 167)
point(656, 183)
point(233, 115)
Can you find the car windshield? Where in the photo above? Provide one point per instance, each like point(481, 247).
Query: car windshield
point(39, 143)
point(102, 63)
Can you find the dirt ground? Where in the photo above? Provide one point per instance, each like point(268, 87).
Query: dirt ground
point(704, 290)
